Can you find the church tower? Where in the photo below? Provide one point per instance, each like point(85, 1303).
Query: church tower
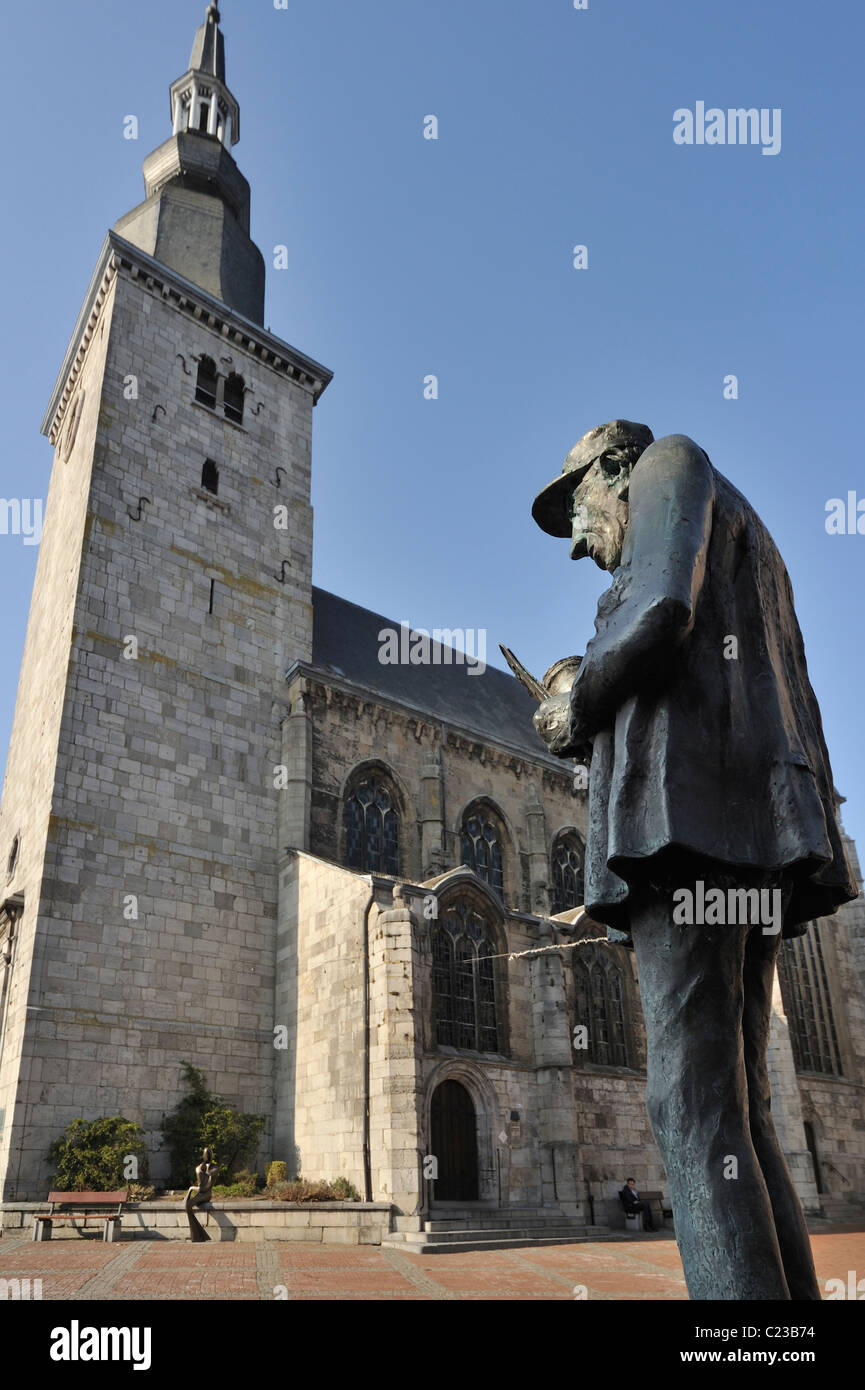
point(138, 828)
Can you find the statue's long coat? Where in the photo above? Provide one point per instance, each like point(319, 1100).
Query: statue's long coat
point(707, 734)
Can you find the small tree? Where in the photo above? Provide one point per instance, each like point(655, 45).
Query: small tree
point(94, 1155)
point(204, 1120)
point(277, 1171)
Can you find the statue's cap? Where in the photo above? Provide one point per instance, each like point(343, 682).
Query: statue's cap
point(550, 508)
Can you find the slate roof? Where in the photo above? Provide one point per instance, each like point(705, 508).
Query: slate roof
point(208, 47)
point(494, 705)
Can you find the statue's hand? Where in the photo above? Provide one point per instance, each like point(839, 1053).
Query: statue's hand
point(551, 720)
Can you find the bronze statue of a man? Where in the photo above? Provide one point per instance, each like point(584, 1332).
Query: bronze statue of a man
point(709, 783)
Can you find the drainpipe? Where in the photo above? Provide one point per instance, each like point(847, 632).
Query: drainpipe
point(367, 1157)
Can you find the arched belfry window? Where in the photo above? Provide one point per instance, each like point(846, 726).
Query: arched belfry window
point(600, 1003)
point(481, 845)
point(464, 980)
point(210, 476)
point(567, 875)
point(234, 387)
point(205, 385)
point(372, 825)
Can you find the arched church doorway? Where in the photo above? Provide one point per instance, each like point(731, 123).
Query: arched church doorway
point(454, 1142)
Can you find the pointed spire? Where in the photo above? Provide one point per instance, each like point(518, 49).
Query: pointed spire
point(208, 49)
point(195, 217)
point(200, 100)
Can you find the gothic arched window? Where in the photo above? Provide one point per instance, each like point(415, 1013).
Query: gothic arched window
point(481, 841)
point(567, 876)
point(372, 826)
point(234, 388)
point(205, 385)
point(464, 982)
point(808, 1004)
point(601, 1008)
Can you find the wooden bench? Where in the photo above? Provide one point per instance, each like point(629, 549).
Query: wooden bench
point(655, 1202)
point(84, 1207)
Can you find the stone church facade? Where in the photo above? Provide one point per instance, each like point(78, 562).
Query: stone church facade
point(232, 835)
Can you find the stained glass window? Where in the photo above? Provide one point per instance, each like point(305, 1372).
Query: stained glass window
point(567, 873)
point(600, 1007)
point(464, 981)
point(482, 849)
point(372, 828)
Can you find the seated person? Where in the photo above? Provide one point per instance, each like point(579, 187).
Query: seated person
point(630, 1199)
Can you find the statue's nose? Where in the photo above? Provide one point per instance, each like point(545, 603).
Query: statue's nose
point(579, 532)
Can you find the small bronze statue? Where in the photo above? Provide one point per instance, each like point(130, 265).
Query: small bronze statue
point(199, 1196)
point(709, 775)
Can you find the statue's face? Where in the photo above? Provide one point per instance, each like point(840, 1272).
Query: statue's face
point(599, 511)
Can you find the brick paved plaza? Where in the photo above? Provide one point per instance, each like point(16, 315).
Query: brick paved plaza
point(642, 1269)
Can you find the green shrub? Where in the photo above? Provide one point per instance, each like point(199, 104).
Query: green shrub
point(141, 1192)
point(92, 1155)
point(247, 1187)
point(277, 1171)
point(203, 1120)
point(343, 1190)
point(302, 1190)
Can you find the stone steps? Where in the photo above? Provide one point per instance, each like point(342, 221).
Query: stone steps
point(840, 1209)
point(508, 1222)
point(497, 1232)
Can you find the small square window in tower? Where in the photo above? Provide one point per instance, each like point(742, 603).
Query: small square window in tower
point(210, 476)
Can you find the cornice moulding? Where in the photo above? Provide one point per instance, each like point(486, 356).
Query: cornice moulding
point(118, 255)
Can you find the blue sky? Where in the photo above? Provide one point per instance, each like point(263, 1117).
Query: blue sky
point(454, 257)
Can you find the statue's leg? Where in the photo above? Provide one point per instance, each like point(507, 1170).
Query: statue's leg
point(760, 956)
point(691, 985)
point(196, 1230)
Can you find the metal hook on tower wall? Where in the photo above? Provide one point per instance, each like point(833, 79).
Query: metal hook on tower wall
point(156, 410)
point(182, 360)
point(278, 471)
point(141, 502)
point(280, 578)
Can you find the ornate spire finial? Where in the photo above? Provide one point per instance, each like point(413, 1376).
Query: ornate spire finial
point(213, 13)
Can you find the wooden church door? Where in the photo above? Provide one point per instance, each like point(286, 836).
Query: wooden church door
point(454, 1143)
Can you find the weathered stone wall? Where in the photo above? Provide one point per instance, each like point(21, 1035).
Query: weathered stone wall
point(835, 1106)
point(349, 730)
point(164, 796)
point(526, 1124)
point(836, 1109)
point(615, 1137)
point(787, 1103)
point(30, 770)
point(320, 1001)
point(854, 918)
